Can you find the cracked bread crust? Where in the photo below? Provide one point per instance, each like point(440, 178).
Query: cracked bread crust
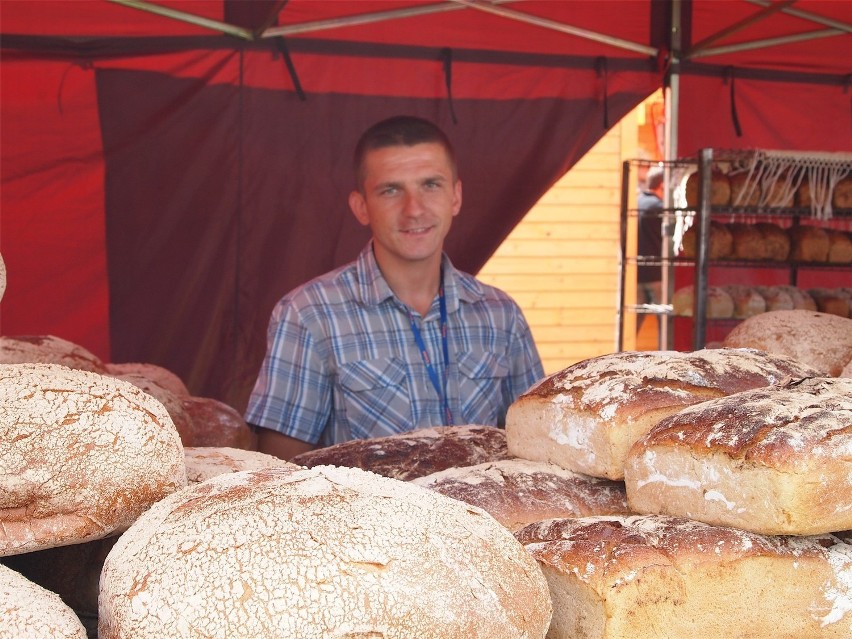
point(774, 460)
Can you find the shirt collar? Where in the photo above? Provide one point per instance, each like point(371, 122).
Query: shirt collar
point(374, 289)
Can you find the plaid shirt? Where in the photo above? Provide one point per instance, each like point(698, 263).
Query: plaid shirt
point(342, 362)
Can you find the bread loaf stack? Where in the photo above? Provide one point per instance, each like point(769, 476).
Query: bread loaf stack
point(751, 511)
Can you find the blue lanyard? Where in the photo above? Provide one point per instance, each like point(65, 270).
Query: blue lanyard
point(433, 374)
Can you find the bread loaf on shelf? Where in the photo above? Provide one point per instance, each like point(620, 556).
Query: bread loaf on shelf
point(720, 305)
point(776, 298)
point(517, 492)
point(720, 243)
point(842, 195)
point(744, 191)
point(778, 191)
point(586, 417)
point(646, 577)
point(82, 455)
point(316, 553)
point(775, 460)
point(839, 247)
point(415, 453)
point(808, 243)
point(748, 242)
point(776, 241)
point(720, 189)
point(747, 300)
point(820, 340)
point(834, 301)
point(802, 300)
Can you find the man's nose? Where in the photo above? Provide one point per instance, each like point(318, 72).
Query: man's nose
point(413, 204)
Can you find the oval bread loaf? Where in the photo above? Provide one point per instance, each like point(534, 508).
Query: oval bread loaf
point(517, 492)
point(31, 612)
point(203, 463)
point(820, 340)
point(161, 375)
point(83, 455)
point(47, 349)
point(776, 460)
point(586, 417)
point(317, 553)
point(646, 577)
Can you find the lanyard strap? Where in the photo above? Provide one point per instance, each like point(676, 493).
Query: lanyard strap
point(433, 374)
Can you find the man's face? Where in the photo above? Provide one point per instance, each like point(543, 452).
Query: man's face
point(409, 199)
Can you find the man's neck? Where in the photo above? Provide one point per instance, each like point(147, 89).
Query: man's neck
point(415, 284)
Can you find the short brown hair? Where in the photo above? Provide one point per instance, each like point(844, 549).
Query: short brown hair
point(400, 130)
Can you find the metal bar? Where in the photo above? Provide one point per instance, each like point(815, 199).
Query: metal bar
point(699, 308)
point(813, 17)
point(190, 18)
point(742, 24)
point(365, 18)
point(769, 42)
point(622, 256)
point(489, 7)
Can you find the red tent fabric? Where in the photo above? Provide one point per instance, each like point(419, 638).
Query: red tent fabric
point(164, 183)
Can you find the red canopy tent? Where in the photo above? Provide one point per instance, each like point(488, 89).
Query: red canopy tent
point(168, 170)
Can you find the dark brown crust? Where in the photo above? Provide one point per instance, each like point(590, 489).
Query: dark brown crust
point(217, 424)
point(416, 453)
point(779, 422)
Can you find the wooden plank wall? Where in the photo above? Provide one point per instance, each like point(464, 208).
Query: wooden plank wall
point(561, 262)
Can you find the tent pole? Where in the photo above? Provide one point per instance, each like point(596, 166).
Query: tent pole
point(671, 100)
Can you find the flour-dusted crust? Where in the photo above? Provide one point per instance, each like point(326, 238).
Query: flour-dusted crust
point(646, 577)
point(173, 404)
point(203, 463)
point(160, 374)
point(821, 340)
point(217, 424)
point(81, 455)
point(28, 611)
point(414, 453)
point(517, 492)
point(586, 417)
point(317, 553)
point(47, 349)
point(774, 460)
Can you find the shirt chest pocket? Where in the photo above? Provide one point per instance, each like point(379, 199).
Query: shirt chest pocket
point(374, 397)
point(481, 376)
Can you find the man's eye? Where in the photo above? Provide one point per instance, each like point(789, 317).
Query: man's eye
point(390, 190)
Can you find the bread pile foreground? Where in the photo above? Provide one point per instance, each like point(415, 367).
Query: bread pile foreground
point(322, 552)
point(649, 576)
point(586, 417)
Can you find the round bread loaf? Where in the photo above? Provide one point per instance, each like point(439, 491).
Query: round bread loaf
point(414, 453)
point(748, 242)
point(159, 374)
point(317, 553)
point(776, 241)
point(747, 300)
point(82, 455)
point(652, 576)
point(586, 417)
point(834, 301)
point(802, 300)
point(776, 298)
point(720, 189)
point(842, 196)
point(839, 247)
point(808, 244)
point(31, 612)
point(776, 460)
point(217, 424)
point(517, 492)
point(744, 192)
point(47, 349)
point(777, 191)
point(203, 463)
point(819, 340)
point(720, 305)
point(172, 403)
point(720, 243)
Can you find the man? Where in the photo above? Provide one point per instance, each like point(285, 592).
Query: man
point(650, 207)
point(398, 339)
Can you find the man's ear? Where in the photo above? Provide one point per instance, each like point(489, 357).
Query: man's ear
point(457, 197)
point(359, 207)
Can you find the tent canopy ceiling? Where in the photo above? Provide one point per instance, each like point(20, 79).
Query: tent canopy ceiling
point(155, 150)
